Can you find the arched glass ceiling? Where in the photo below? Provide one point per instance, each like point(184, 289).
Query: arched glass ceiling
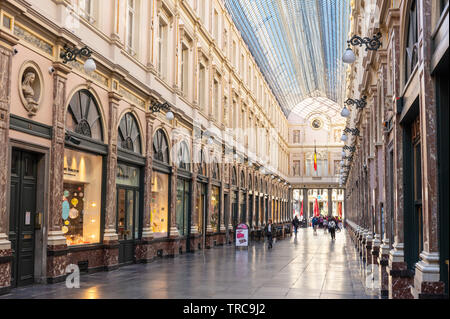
point(321, 105)
point(297, 44)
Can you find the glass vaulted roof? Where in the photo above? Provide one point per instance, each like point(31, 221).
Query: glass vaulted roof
point(297, 44)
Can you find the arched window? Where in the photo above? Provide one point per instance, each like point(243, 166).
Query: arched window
point(233, 176)
point(216, 171)
point(160, 147)
point(83, 115)
point(184, 159)
point(201, 168)
point(128, 136)
point(249, 181)
point(242, 180)
point(412, 42)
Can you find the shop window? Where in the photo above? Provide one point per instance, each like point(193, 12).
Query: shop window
point(160, 204)
point(160, 147)
point(129, 137)
point(81, 207)
point(83, 116)
point(182, 207)
point(215, 204)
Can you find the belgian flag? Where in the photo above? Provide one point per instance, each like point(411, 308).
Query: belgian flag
point(315, 158)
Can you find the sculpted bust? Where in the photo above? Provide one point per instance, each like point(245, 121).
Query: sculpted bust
point(28, 93)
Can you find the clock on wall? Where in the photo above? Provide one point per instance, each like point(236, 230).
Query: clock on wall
point(316, 124)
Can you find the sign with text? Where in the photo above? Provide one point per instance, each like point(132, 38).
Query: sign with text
point(242, 235)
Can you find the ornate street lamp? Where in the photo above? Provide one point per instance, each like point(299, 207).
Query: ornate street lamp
point(354, 131)
point(155, 107)
point(371, 44)
point(349, 148)
point(360, 104)
point(72, 54)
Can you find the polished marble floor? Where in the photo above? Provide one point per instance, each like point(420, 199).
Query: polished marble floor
point(307, 266)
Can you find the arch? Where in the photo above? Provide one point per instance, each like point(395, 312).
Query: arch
point(233, 176)
point(84, 116)
point(201, 163)
point(161, 147)
point(215, 170)
point(184, 157)
point(129, 133)
point(411, 40)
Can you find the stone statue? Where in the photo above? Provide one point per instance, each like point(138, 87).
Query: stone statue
point(28, 93)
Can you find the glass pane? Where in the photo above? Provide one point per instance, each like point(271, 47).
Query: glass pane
point(121, 207)
point(81, 207)
point(127, 175)
point(136, 216)
point(159, 204)
point(199, 206)
point(186, 207)
point(179, 208)
point(215, 203)
point(130, 213)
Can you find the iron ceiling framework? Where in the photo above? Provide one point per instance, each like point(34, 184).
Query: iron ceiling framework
point(297, 44)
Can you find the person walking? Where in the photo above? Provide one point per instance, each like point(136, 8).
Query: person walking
point(332, 228)
point(270, 231)
point(295, 223)
point(315, 224)
point(325, 224)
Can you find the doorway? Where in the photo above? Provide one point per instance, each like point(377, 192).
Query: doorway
point(22, 216)
point(127, 222)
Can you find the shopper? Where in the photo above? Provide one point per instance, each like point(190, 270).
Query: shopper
point(270, 231)
point(332, 228)
point(315, 224)
point(295, 223)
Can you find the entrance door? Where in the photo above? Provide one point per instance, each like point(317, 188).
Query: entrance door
point(234, 209)
point(127, 222)
point(22, 212)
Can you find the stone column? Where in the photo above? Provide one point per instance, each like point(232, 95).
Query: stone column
point(427, 282)
point(330, 202)
point(173, 231)
point(143, 251)
point(222, 197)
point(305, 204)
point(147, 232)
point(7, 41)
point(56, 244)
point(110, 238)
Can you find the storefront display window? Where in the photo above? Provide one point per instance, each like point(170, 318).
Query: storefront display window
point(215, 212)
point(81, 207)
point(182, 207)
point(159, 204)
point(200, 207)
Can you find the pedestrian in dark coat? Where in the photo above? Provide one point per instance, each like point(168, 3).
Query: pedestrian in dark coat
point(270, 232)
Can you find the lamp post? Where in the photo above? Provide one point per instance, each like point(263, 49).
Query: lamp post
point(354, 131)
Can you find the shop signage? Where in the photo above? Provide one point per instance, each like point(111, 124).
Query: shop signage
point(242, 235)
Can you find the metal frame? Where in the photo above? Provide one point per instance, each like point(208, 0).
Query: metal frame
point(372, 44)
point(72, 54)
point(360, 104)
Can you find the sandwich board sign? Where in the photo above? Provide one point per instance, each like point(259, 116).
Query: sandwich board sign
point(242, 235)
